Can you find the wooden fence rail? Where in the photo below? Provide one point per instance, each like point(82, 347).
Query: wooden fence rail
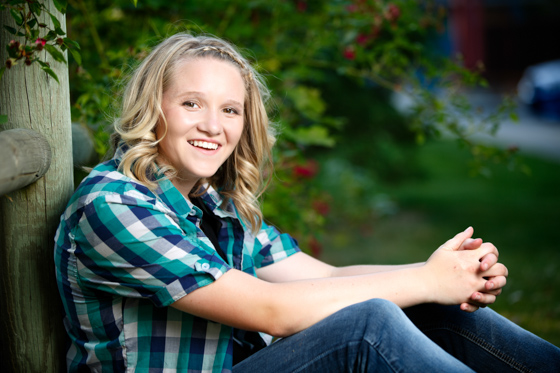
point(26, 157)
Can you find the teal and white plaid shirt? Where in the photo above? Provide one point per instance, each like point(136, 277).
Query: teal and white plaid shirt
point(124, 253)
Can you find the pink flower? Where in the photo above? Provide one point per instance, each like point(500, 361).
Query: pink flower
point(41, 41)
point(13, 44)
point(362, 39)
point(322, 207)
point(307, 170)
point(393, 13)
point(349, 53)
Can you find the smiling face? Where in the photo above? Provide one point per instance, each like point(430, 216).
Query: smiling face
point(203, 107)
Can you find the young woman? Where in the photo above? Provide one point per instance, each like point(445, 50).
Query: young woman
point(164, 261)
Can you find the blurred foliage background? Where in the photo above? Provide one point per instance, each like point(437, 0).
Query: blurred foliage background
point(356, 181)
point(331, 66)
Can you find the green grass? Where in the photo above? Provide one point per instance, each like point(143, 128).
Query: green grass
point(520, 214)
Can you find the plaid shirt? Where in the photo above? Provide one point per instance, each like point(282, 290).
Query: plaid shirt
point(124, 254)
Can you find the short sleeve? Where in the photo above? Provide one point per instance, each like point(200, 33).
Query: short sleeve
point(128, 246)
point(271, 246)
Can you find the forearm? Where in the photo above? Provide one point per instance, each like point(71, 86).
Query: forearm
point(370, 269)
point(317, 299)
point(283, 309)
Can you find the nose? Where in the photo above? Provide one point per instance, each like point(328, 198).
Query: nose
point(210, 123)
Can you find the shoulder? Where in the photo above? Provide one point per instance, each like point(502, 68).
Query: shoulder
point(105, 184)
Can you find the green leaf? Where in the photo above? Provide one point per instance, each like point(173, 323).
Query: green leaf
point(77, 56)
point(35, 8)
point(314, 135)
point(59, 31)
point(60, 5)
point(308, 101)
point(51, 73)
point(34, 34)
point(71, 44)
point(12, 53)
point(513, 116)
point(51, 35)
point(55, 21)
point(55, 53)
point(11, 30)
point(135, 2)
point(16, 16)
point(3, 118)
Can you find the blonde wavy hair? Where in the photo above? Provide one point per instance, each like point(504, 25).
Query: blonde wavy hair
point(240, 178)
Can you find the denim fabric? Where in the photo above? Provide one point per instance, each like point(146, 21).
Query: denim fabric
point(377, 336)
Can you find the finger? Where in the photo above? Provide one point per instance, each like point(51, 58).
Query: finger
point(493, 292)
point(488, 261)
point(457, 241)
point(471, 244)
point(487, 248)
point(497, 269)
point(482, 299)
point(467, 307)
point(495, 283)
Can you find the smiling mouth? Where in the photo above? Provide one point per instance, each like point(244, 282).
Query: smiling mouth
point(204, 145)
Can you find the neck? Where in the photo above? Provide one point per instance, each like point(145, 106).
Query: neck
point(183, 186)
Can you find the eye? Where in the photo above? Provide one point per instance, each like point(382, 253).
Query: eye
point(231, 110)
point(190, 104)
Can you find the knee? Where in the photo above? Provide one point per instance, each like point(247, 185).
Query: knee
point(375, 321)
point(374, 314)
point(380, 308)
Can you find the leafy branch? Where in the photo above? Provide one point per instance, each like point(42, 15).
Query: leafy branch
point(37, 36)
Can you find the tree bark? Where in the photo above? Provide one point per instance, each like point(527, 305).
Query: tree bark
point(31, 311)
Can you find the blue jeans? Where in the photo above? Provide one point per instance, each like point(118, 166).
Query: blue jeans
point(378, 336)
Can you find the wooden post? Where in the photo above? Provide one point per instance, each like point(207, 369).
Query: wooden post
point(26, 157)
point(30, 309)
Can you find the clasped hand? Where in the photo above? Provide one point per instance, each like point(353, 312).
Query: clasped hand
point(466, 271)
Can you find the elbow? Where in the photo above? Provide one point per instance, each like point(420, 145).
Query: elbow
point(281, 324)
point(279, 330)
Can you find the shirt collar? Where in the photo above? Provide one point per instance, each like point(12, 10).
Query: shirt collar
point(170, 195)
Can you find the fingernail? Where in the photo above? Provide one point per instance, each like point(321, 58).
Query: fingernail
point(484, 266)
point(491, 285)
point(467, 229)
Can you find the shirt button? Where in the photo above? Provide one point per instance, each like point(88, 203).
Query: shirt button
point(205, 266)
point(192, 212)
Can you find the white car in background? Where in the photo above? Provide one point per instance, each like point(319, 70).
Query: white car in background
point(539, 88)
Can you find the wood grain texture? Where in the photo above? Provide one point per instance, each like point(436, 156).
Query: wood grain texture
point(30, 309)
point(26, 157)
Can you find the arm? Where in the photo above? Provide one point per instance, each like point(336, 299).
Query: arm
point(282, 309)
point(450, 276)
point(302, 266)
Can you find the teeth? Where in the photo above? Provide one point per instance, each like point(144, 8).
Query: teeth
point(204, 144)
